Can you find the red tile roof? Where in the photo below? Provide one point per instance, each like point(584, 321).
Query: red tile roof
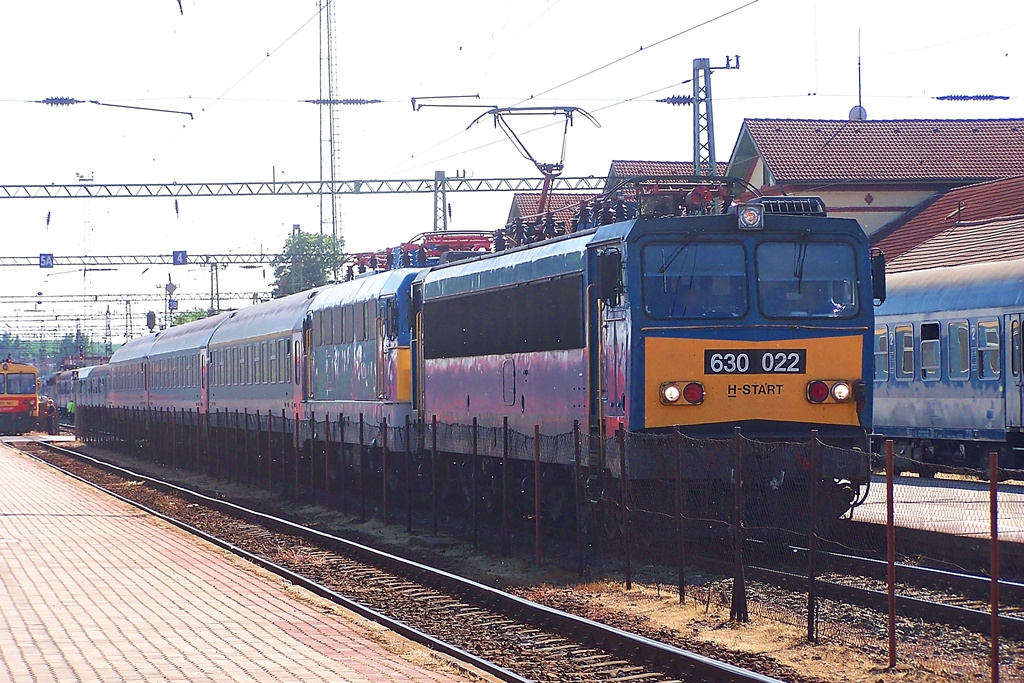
point(805, 150)
point(984, 201)
point(564, 206)
point(626, 169)
point(969, 242)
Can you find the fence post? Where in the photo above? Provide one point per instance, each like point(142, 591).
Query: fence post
point(408, 475)
point(344, 464)
point(473, 466)
point(327, 461)
point(890, 547)
point(234, 450)
point(174, 438)
point(536, 493)
point(993, 512)
point(384, 467)
point(624, 480)
point(297, 423)
point(312, 456)
point(433, 472)
point(259, 438)
point(680, 549)
point(576, 466)
point(812, 541)
point(506, 540)
point(362, 474)
point(738, 610)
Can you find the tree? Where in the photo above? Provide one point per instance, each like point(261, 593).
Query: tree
point(307, 261)
point(189, 316)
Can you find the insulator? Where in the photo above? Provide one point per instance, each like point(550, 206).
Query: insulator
point(607, 217)
point(549, 226)
point(620, 211)
point(677, 100)
point(60, 101)
point(499, 240)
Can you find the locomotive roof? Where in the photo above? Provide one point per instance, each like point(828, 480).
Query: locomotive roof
point(191, 335)
point(363, 288)
point(956, 288)
point(134, 349)
point(279, 316)
point(544, 259)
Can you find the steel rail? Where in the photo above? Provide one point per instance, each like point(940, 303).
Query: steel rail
point(399, 627)
point(670, 660)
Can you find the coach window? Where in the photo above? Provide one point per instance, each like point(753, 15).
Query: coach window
point(881, 353)
point(248, 364)
point(370, 316)
point(988, 349)
point(326, 328)
point(1015, 348)
point(904, 346)
point(930, 354)
point(338, 318)
point(286, 358)
point(360, 322)
point(350, 323)
point(316, 327)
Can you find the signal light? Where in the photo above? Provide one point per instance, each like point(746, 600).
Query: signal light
point(817, 391)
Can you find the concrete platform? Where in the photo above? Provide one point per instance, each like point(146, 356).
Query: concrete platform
point(93, 590)
point(960, 508)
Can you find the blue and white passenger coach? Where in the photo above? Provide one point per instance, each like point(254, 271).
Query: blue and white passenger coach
point(949, 371)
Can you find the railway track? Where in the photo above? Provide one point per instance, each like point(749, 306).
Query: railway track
point(510, 638)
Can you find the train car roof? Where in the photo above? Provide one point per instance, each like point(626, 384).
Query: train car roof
point(98, 371)
point(278, 316)
point(186, 337)
point(363, 288)
point(134, 349)
point(955, 288)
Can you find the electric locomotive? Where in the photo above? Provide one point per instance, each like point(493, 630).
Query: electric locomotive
point(759, 319)
point(19, 397)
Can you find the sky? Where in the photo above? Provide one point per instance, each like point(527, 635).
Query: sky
point(243, 70)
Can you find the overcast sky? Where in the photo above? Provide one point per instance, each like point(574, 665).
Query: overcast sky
point(243, 68)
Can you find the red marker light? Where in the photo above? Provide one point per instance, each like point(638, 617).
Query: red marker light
point(693, 393)
point(817, 392)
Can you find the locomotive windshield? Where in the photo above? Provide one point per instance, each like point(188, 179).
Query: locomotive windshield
point(694, 280)
point(19, 383)
point(802, 279)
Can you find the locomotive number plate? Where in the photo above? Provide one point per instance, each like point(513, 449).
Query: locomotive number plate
point(755, 362)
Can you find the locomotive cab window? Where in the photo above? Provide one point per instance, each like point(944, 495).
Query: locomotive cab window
point(694, 280)
point(988, 349)
point(881, 353)
point(930, 361)
point(904, 349)
point(802, 279)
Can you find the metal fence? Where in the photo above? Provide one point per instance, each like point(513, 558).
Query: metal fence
point(737, 509)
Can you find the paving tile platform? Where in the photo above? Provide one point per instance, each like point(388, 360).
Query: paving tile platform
point(91, 589)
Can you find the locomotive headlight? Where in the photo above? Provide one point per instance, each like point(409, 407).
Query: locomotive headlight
point(841, 392)
point(670, 392)
point(750, 217)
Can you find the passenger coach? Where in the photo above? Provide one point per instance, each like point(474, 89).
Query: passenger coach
point(948, 366)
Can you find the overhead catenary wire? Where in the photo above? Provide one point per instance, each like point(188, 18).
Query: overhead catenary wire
point(578, 78)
